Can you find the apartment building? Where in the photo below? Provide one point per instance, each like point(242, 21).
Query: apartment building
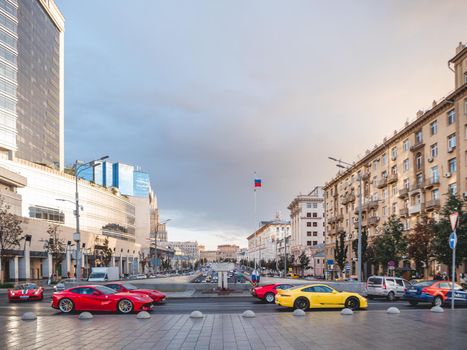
point(227, 252)
point(307, 221)
point(409, 173)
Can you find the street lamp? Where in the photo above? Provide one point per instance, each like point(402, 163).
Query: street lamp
point(78, 167)
point(345, 165)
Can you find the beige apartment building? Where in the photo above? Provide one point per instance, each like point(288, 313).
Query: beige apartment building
point(227, 252)
point(409, 173)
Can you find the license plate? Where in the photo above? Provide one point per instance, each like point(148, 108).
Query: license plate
point(24, 297)
point(412, 290)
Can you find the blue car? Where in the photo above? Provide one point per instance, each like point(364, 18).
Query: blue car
point(460, 297)
point(433, 292)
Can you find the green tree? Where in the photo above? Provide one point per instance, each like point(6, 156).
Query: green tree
point(365, 250)
point(11, 235)
point(420, 244)
point(304, 261)
point(391, 244)
point(340, 252)
point(442, 230)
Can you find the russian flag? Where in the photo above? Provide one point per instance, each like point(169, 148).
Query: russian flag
point(257, 182)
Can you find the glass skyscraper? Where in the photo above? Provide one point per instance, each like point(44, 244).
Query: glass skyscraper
point(31, 81)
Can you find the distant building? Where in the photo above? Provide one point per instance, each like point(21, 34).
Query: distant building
point(188, 248)
point(227, 252)
point(307, 221)
point(242, 254)
point(209, 255)
point(263, 243)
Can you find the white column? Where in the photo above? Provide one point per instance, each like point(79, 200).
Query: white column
point(120, 263)
point(68, 261)
point(112, 261)
point(226, 283)
point(16, 267)
point(128, 265)
point(219, 278)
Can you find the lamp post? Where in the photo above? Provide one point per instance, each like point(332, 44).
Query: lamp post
point(345, 165)
point(78, 167)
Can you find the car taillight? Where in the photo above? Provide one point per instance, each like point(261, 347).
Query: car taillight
point(424, 290)
point(384, 284)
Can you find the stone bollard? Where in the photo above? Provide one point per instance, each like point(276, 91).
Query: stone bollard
point(299, 312)
point(143, 315)
point(346, 311)
point(85, 316)
point(437, 309)
point(248, 314)
point(196, 314)
point(29, 316)
point(393, 310)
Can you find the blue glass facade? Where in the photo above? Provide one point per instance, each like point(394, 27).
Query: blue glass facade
point(123, 178)
point(141, 184)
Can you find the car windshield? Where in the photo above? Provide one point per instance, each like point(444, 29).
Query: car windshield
point(105, 290)
point(129, 286)
point(424, 284)
point(97, 275)
point(25, 286)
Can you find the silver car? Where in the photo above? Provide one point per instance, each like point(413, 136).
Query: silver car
point(388, 287)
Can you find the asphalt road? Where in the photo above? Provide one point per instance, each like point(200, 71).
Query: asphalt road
point(208, 305)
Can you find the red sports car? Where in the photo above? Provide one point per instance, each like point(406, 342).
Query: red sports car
point(99, 298)
point(434, 292)
point(24, 292)
point(268, 292)
point(155, 295)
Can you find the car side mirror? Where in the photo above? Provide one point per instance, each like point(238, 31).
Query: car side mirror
point(335, 292)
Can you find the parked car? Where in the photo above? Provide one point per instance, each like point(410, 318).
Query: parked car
point(25, 292)
point(434, 292)
point(99, 298)
point(293, 275)
point(269, 291)
point(319, 296)
point(388, 287)
point(59, 287)
point(126, 287)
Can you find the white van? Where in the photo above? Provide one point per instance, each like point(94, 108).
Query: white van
point(104, 274)
point(385, 286)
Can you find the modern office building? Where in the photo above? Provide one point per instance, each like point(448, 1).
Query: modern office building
point(32, 81)
point(410, 173)
point(307, 221)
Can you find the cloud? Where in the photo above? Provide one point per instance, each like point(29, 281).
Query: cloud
point(202, 94)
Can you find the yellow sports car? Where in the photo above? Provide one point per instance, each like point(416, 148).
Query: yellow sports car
point(319, 296)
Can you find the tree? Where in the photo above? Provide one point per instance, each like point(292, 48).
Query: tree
point(304, 261)
point(11, 235)
point(420, 244)
point(442, 230)
point(391, 244)
point(365, 250)
point(55, 246)
point(340, 253)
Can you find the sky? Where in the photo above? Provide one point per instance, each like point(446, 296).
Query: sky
point(201, 94)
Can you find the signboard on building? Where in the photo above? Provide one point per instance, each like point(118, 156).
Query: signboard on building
point(141, 184)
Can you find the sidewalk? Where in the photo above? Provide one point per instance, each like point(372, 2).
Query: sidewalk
point(414, 329)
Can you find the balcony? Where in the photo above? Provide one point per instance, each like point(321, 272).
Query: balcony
point(373, 220)
point(433, 204)
point(404, 212)
point(417, 146)
point(331, 220)
point(417, 186)
point(348, 198)
point(431, 182)
point(382, 182)
point(415, 209)
point(339, 217)
point(373, 204)
point(403, 192)
point(392, 178)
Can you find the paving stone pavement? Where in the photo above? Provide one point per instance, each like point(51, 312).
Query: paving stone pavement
point(415, 329)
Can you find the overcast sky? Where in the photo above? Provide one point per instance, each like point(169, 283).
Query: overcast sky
point(203, 93)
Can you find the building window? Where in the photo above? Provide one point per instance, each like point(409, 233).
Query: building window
point(394, 190)
point(393, 208)
point(315, 205)
point(452, 189)
point(384, 159)
point(451, 116)
point(406, 145)
point(434, 127)
point(394, 153)
point(44, 213)
point(465, 106)
point(394, 170)
point(419, 179)
point(315, 233)
point(452, 165)
point(418, 137)
point(451, 142)
point(315, 242)
point(308, 215)
point(434, 150)
point(315, 215)
point(406, 165)
point(308, 205)
point(406, 183)
point(315, 224)
point(435, 194)
point(308, 224)
point(435, 174)
point(308, 243)
point(308, 233)
point(419, 161)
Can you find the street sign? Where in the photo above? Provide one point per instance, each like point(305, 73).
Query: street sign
point(330, 262)
point(453, 240)
point(453, 219)
point(391, 263)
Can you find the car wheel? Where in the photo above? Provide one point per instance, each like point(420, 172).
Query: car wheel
point(125, 306)
point(438, 301)
point(302, 304)
point(269, 298)
point(391, 296)
point(413, 302)
point(352, 303)
point(65, 305)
